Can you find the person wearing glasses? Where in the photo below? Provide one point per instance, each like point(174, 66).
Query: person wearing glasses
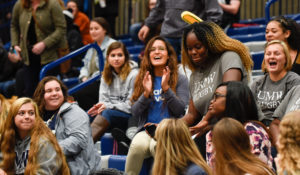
point(159, 92)
point(234, 99)
point(213, 58)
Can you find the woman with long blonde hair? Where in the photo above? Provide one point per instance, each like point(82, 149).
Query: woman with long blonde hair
point(232, 150)
point(176, 152)
point(4, 107)
point(27, 144)
point(289, 144)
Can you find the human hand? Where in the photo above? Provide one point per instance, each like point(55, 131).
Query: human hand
point(38, 48)
point(150, 129)
point(93, 111)
point(147, 84)
point(15, 57)
point(144, 31)
point(101, 108)
point(2, 172)
point(200, 128)
point(84, 79)
point(165, 79)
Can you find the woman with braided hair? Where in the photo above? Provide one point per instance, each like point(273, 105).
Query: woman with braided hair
point(213, 58)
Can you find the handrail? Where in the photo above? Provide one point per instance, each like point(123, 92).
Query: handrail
point(267, 9)
point(71, 55)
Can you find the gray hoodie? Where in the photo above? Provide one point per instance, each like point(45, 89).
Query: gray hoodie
point(117, 95)
point(47, 158)
point(73, 132)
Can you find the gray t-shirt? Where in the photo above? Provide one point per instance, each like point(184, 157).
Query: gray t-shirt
point(269, 94)
point(291, 102)
point(203, 82)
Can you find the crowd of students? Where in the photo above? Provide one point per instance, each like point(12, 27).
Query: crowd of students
point(217, 121)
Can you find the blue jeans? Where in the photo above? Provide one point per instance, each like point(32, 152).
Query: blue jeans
point(5, 85)
point(110, 114)
point(176, 43)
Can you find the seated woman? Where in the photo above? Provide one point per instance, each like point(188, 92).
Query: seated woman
point(176, 152)
point(270, 89)
point(235, 99)
point(70, 124)
point(286, 30)
point(115, 91)
point(27, 144)
point(288, 157)
point(159, 92)
point(232, 150)
point(100, 33)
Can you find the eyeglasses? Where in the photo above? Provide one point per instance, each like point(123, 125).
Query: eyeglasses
point(160, 49)
point(217, 95)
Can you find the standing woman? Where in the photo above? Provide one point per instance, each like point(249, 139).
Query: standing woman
point(114, 106)
point(159, 92)
point(232, 150)
point(213, 58)
point(270, 89)
point(176, 152)
point(37, 30)
point(27, 144)
point(70, 124)
point(100, 33)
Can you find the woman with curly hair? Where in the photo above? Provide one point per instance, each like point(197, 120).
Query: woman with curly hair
point(159, 92)
point(27, 145)
point(176, 152)
point(232, 150)
point(288, 159)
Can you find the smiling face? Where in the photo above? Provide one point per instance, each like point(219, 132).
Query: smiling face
point(72, 5)
point(25, 119)
point(116, 59)
point(275, 32)
point(97, 32)
point(218, 103)
point(53, 95)
point(195, 49)
point(158, 54)
point(275, 59)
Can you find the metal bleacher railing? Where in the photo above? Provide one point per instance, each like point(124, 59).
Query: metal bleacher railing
point(71, 55)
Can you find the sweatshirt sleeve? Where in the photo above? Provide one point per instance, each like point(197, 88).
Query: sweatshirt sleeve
point(178, 102)
point(77, 125)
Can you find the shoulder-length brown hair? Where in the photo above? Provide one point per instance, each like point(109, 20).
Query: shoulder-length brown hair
point(147, 66)
point(40, 130)
point(175, 149)
point(233, 150)
point(39, 92)
point(108, 69)
point(288, 65)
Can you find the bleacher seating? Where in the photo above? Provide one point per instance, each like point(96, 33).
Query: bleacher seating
point(246, 30)
point(250, 37)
